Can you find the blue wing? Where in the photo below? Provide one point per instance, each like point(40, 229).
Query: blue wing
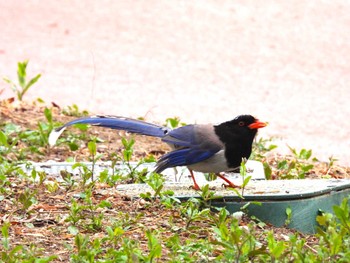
point(193, 144)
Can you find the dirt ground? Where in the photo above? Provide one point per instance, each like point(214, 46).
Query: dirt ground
point(50, 232)
point(204, 61)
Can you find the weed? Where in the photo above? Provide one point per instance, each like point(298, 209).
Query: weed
point(27, 198)
point(237, 243)
point(334, 233)
point(154, 247)
point(193, 212)
point(52, 186)
point(75, 214)
point(207, 195)
point(68, 181)
point(155, 181)
point(74, 111)
point(289, 216)
point(94, 157)
point(297, 166)
point(174, 122)
point(261, 147)
point(20, 253)
point(23, 84)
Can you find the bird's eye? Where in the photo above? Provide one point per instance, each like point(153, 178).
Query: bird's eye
point(241, 123)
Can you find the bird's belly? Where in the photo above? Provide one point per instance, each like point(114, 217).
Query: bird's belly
point(214, 164)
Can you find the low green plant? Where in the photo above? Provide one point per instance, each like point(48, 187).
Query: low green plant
point(154, 247)
point(134, 175)
point(192, 211)
point(86, 174)
point(75, 212)
point(245, 179)
point(74, 111)
point(276, 248)
point(39, 176)
point(174, 122)
point(207, 196)
point(20, 253)
point(68, 180)
point(297, 166)
point(334, 233)
point(27, 198)
point(237, 243)
point(289, 216)
point(330, 165)
point(94, 157)
point(86, 250)
point(8, 140)
point(45, 128)
point(23, 85)
point(156, 182)
point(52, 186)
point(262, 146)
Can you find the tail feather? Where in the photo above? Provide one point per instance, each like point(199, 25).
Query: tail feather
point(114, 122)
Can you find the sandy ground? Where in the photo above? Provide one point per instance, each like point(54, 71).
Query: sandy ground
point(286, 62)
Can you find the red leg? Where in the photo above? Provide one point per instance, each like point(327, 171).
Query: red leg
point(229, 183)
point(195, 185)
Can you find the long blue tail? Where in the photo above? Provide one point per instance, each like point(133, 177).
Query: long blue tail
point(114, 122)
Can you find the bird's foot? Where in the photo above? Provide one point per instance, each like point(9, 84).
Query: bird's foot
point(195, 187)
point(229, 183)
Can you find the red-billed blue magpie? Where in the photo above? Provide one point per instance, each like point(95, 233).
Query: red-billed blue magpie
point(204, 148)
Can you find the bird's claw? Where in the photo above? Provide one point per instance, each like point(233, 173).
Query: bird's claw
point(194, 187)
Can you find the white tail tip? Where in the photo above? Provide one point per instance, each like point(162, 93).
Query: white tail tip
point(54, 135)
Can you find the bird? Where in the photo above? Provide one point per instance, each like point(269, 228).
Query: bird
point(205, 148)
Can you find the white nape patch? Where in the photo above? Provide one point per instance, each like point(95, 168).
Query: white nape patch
point(214, 164)
point(54, 135)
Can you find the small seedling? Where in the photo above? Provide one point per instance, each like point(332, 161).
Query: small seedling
point(245, 179)
point(207, 195)
point(27, 199)
point(74, 111)
point(289, 216)
point(156, 181)
point(297, 166)
point(191, 210)
point(23, 84)
point(276, 248)
point(154, 247)
point(94, 157)
point(174, 122)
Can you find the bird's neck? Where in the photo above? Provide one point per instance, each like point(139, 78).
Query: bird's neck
point(238, 144)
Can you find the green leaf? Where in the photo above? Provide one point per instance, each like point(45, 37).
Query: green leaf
point(3, 139)
point(341, 214)
point(32, 81)
point(21, 73)
point(246, 181)
point(81, 126)
point(278, 249)
point(267, 171)
point(48, 115)
point(73, 230)
point(307, 168)
point(92, 147)
point(73, 146)
point(305, 154)
point(11, 128)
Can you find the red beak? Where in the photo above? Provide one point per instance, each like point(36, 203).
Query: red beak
point(257, 125)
